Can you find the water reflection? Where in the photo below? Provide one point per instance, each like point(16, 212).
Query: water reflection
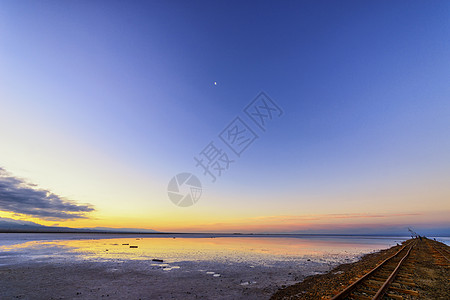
point(254, 250)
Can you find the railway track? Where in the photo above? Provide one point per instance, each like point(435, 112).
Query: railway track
point(392, 279)
point(440, 254)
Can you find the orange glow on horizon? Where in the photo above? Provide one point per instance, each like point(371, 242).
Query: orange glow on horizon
point(273, 224)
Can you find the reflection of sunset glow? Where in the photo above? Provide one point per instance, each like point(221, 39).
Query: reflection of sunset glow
point(195, 249)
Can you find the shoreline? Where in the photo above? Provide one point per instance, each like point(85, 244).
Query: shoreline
point(109, 268)
point(431, 279)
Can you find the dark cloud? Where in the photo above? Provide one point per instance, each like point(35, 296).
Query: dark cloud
point(22, 197)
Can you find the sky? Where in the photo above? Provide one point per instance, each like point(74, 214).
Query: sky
point(102, 103)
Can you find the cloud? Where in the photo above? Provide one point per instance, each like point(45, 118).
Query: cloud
point(344, 223)
point(327, 218)
point(22, 197)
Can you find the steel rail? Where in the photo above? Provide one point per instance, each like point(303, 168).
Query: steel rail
point(448, 260)
point(348, 290)
point(387, 283)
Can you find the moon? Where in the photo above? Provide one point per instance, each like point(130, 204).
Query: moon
point(215, 82)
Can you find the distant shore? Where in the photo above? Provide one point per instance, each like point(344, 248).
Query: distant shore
point(216, 234)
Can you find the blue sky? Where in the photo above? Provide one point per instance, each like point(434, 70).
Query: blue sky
point(118, 97)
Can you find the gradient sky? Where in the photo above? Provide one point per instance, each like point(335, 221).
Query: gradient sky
point(103, 102)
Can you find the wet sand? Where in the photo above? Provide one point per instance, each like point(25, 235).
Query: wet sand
point(142, 280)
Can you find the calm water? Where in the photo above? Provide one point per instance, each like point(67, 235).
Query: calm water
point(252, 249)
point(245, 266)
